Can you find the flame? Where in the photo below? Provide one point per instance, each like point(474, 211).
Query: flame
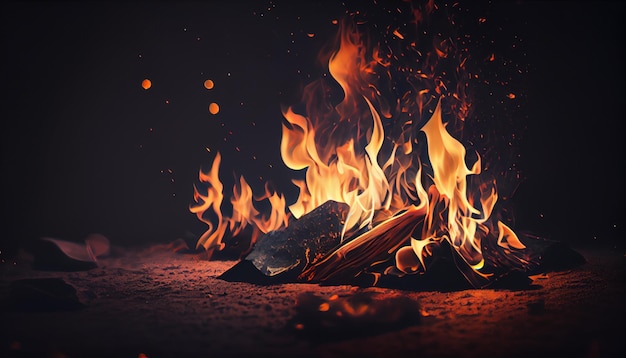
point(212, 237)
point(393, 159)
point(348, 168)
point(244, 212)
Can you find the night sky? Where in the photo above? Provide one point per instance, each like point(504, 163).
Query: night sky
point(86, 149)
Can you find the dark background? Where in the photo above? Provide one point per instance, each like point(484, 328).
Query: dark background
point(85, 149)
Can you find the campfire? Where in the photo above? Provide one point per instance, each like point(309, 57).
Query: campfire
point(387, 186)
point(388, 223)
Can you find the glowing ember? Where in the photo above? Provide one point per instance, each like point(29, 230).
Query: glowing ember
point(146, 84)
point(214, 108)
point(389, 155)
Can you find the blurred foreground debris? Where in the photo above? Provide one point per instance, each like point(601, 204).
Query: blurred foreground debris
point(62, 255)
point(360, 314)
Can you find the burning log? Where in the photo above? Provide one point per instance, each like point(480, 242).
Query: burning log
point(367, 249)
point(310, 250)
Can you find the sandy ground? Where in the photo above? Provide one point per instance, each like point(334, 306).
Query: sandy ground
point(157, 303)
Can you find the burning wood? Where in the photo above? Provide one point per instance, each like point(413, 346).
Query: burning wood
point(367, 249)
point(310, 250)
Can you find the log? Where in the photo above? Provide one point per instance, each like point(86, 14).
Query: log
point(366, 249)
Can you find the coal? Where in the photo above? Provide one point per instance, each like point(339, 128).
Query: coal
point(283, 254)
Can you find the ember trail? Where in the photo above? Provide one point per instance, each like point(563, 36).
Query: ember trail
point(388, 188)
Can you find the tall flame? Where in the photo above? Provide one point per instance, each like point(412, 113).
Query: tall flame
point(348, 168)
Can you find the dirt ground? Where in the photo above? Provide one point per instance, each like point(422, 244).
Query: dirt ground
point(153, 302)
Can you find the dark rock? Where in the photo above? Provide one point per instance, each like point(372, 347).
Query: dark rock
point(61, 255)
point(42, 295)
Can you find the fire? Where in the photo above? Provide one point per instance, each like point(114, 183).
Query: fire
point(390, 157)
point(244, 212)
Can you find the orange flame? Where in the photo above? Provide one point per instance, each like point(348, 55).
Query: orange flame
point(244, 212)
point(346, 169)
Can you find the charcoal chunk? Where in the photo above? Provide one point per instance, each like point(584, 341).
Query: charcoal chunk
point(283, 254)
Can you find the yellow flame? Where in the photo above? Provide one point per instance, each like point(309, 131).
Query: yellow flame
point(447, 158)
point(347, 169)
